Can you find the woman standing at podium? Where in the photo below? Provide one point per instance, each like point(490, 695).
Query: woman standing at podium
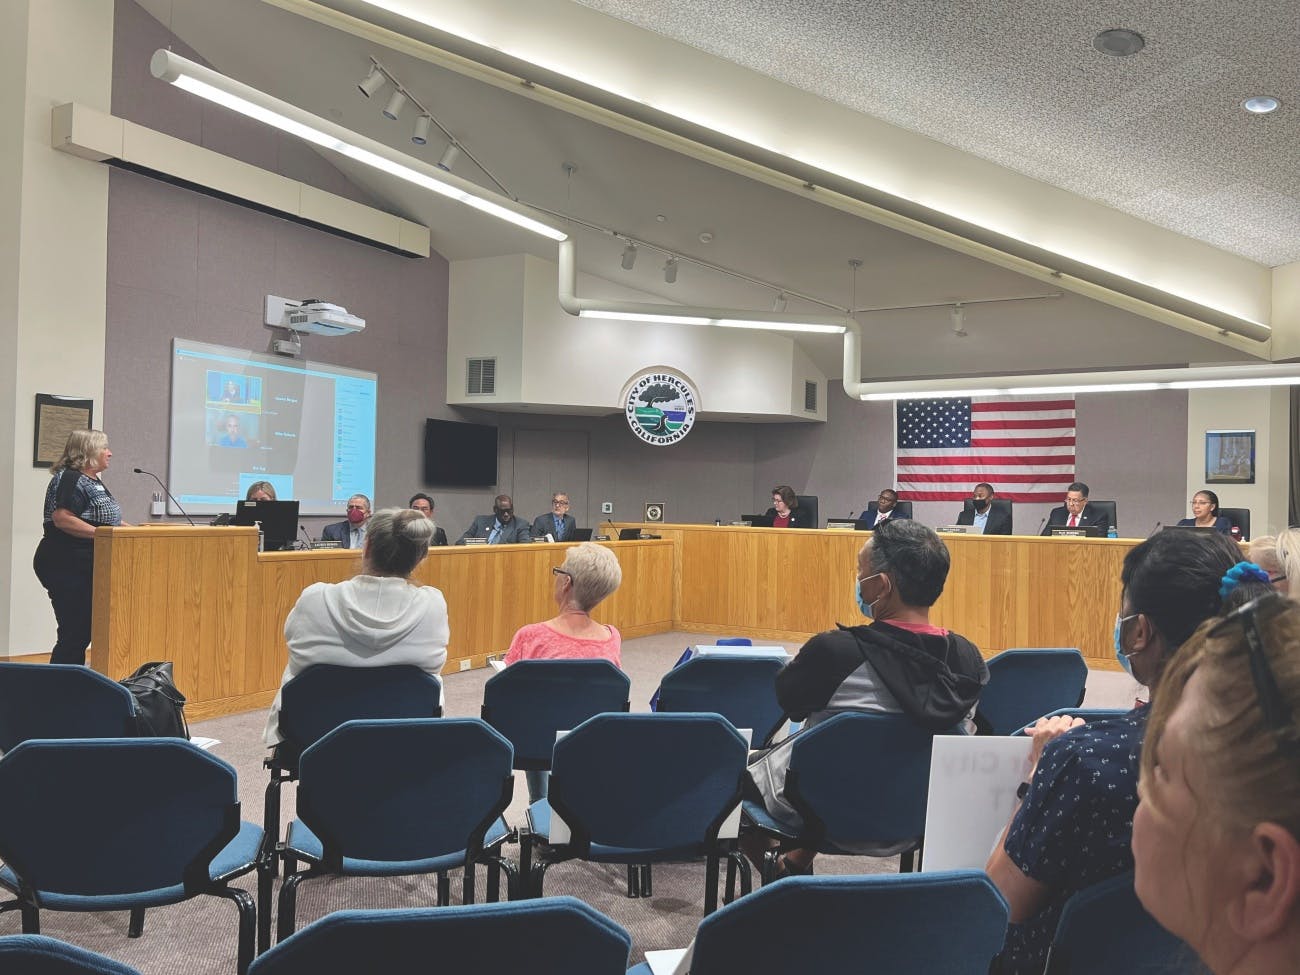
point(76, 503)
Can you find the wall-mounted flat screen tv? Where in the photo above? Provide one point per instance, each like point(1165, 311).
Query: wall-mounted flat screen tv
point(459, 454)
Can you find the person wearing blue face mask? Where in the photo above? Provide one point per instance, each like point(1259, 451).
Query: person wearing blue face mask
point(898, 662)
point(1074, 817)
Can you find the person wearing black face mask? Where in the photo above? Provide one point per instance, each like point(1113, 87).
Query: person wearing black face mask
point(499, 528)
point(983, 513)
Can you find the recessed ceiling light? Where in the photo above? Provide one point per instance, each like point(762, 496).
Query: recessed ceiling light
point(1261, 104)
point(1119, 42)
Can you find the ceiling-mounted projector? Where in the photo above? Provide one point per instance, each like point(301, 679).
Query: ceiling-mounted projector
point(311, 315)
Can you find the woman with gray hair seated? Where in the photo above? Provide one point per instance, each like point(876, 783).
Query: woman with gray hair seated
point(590, 573)
point(378, 618)
point(1279, 556)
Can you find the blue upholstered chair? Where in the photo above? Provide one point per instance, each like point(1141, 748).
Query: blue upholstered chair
point(554, 936)
point(642, 789)
point(740, 688)
point(124, 824)
point(860, 783)
point(61, 701)
point(1087, 714)
point(399, 797)
point(32, 954)
point(950, 922)
point(1026, 684)
point(1104, 928)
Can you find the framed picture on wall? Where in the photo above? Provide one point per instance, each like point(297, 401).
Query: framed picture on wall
point(1229, 456)
point(56, 417)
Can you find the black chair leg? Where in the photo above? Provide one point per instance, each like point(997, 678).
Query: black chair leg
point(710, 884)
point(31, 919)
point(271, 819)
point(247, 924)
point(633, 880)
point(729, 891)
point(525, 853)
point(539, 873)
point(467, 887)
point(265, 879)
point(906, 863)
point(770, 859)
point(288, 907)
point(493, 893)
point(647, 880)
point(444, 889)
point(135, 927)
point(512, 880)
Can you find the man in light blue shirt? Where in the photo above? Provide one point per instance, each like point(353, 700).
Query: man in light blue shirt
point(983, 515)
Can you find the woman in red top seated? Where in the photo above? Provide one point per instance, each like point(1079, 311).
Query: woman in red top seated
point(785, 511)
point(590, 573)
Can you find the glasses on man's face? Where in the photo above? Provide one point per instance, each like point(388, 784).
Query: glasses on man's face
point(356, 507)
point(558, 503)
point(1277, 713)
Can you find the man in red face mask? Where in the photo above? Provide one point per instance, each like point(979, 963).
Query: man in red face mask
point(350, 533)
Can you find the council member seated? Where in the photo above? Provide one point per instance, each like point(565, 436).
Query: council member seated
point(1074, 813)
point(557, 522)
point(1279, 556)
point(988, 519)
point(377, 618)
point(886, 509)
point(499, 528)
point(260, 491)
point(424, 504)
point(1075, 513)
point(1205, 514)
point(350, 533)
point(785, 511)
point(1216, 836)
point(899, 662)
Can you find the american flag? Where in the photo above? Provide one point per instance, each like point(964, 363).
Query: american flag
point(1023, 446)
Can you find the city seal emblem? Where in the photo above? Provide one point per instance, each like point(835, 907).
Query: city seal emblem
point(660, 407)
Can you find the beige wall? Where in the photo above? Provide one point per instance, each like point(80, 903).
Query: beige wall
point(53, 242)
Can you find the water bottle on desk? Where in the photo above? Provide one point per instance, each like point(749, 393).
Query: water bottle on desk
point(1111, 532)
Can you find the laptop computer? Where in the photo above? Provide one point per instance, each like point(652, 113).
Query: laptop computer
point(580, 535)
point(757, 521)
point(629, 534)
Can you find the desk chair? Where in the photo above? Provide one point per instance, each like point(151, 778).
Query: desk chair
point(1240, 518)
point(903, 509)
point(1024, 685)
point(1104, 929)
point(32, 954)
point(808, 503)
point(1112, 519)
point(740, 688)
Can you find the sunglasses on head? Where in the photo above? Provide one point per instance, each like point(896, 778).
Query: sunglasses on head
point(1278, 715)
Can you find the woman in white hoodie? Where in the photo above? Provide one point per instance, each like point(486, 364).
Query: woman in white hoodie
point(375, 619)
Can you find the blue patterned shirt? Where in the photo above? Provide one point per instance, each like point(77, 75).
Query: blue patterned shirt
point(1074, 827)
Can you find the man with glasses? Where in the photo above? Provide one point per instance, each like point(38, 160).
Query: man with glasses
point(499, 528)
point(424, 504)
point(1075, 513)
point(557, 522)
point(1074, 817)
point(350, 533)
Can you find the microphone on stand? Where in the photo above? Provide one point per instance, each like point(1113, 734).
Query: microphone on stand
point(140, 470)
point(1040, 525)
point(303, 529)
point(1154, 530)
point(850, 515)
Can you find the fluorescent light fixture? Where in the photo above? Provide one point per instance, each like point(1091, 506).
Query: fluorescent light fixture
point(1227, 383)
point(241, 98)
point(778, 326)
point(934, 394)
point(372, 82)
point(421, 134)
point(1084, 387)
point(626, 316)
point(395, 103)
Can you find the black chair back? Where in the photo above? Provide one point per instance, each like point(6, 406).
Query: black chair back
point(1108, 507)
point(999, 504)
point(903, 508)
point(1240, 518)
point(808, 503)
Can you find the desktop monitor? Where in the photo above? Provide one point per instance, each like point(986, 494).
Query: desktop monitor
point(278, 519)
point(758, 521)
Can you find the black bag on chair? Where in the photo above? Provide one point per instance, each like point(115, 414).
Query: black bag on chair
point(159, 706)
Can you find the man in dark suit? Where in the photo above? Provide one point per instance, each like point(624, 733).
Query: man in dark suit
point(499, 528)
point(1075, 513)
point(984, 514)
point(557, 522)
point(350, 533)
point(886, 509)
point(424, 504)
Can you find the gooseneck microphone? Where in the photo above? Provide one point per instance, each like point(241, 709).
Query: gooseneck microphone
point(140, 470)
point(1040, 525)
point(1154, 530)
point(306, 535)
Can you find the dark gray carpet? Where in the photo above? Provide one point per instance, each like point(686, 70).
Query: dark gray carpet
point(198, 937)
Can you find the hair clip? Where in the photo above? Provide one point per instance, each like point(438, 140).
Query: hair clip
point(1238, 574)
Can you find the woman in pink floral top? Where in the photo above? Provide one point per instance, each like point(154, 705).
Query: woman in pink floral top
point(590, 573)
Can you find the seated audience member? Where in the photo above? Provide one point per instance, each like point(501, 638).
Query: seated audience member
point(260, 491)
point(557, 522)
point(590, 573)
point(424, 504)
point(1216, 836)
point(1279, 556)
point(1075, 811)
point(886, 508)
point(785, 511)
point(1075, 513)
point(989, 519)
point(1205, 514)
point(499, 528)
point(350, 533)
point(377, 618)
point(898, 663)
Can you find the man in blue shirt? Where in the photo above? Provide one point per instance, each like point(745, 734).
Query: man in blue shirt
point(983, 515)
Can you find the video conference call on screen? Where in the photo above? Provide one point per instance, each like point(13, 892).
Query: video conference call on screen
point(239, 417)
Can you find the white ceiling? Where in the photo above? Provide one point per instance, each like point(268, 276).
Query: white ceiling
point(625, 183)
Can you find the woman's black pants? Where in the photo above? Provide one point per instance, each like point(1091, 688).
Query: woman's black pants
point(67, 573)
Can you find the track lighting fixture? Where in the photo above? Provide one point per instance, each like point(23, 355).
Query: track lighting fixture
point(629, 256)
point(372, 82)
point(395, 103)
point(779, 302)
point(670, 271)
point(421, 134)
point(449, 156)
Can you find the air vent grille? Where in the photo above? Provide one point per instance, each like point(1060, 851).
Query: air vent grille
point(481, 377)
point(809, 396)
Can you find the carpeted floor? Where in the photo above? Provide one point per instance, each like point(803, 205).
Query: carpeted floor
point(198, 937)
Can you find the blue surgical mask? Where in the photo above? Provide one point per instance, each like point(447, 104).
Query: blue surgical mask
point(1120, 655)
point(863, 605)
